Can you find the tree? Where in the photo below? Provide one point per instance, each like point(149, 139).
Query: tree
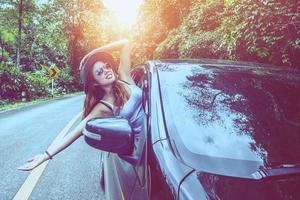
point(263, 31)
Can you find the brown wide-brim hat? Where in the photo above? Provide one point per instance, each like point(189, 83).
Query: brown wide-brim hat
point(89, 63)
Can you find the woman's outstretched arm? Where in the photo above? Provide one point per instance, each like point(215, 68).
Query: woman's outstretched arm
point(125, 57)
point(98, 111)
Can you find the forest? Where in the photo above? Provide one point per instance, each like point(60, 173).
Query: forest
point(36, 35)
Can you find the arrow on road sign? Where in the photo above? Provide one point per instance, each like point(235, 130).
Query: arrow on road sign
point(53, 72)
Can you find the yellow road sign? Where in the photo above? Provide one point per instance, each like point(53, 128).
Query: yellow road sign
point(53, 72)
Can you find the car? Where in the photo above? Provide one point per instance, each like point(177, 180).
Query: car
point(213, 129)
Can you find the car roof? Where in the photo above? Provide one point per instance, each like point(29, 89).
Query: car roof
point(220, 64)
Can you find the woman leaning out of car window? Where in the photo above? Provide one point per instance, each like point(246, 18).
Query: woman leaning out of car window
point(109, 90)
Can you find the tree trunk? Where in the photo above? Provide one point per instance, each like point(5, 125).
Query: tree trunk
point(2, 49)
point(18, 49)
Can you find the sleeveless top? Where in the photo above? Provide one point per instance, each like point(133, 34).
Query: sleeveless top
point(132, 109)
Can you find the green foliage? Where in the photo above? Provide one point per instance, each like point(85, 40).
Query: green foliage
point(197, 35)
point(7, 37)
point(172, 44)
point(65, 82)
point(157, 20)
point(13, 83)
point(263, 31)
point(34, 84)
point(37, 84)
point(45, 40)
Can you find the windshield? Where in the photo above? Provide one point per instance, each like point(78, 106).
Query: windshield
point(234, 112)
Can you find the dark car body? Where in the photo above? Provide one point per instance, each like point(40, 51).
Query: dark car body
point(213, 130)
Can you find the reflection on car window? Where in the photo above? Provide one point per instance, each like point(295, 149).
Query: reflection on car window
point(234, 112)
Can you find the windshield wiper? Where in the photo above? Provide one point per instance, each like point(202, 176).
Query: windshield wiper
point(281, 170)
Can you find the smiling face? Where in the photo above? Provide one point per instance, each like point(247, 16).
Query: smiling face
point(103, 73)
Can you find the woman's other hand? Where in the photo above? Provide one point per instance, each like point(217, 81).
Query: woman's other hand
point(34, 162)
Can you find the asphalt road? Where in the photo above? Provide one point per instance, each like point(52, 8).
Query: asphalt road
point(72, 174)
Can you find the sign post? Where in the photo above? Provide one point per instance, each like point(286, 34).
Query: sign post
point(53, 73)
point(52, 87)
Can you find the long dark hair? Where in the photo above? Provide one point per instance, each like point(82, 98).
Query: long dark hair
point(94, 92)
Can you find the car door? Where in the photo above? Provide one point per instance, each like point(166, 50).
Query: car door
point(141, 188)
point(126, 176)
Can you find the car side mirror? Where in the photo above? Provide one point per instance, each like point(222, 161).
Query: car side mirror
point(112, 134)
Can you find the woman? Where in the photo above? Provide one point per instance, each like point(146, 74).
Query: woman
point(108, 92)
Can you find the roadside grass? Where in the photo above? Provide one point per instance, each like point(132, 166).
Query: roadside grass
point(13, 105)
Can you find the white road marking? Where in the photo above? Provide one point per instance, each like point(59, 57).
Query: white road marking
point(29, 184)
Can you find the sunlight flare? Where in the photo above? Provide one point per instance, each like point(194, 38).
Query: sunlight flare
point(125, 10)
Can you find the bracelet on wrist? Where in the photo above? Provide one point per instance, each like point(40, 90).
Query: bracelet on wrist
point(50, 157)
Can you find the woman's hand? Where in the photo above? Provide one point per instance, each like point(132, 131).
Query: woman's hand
point(34, 162)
